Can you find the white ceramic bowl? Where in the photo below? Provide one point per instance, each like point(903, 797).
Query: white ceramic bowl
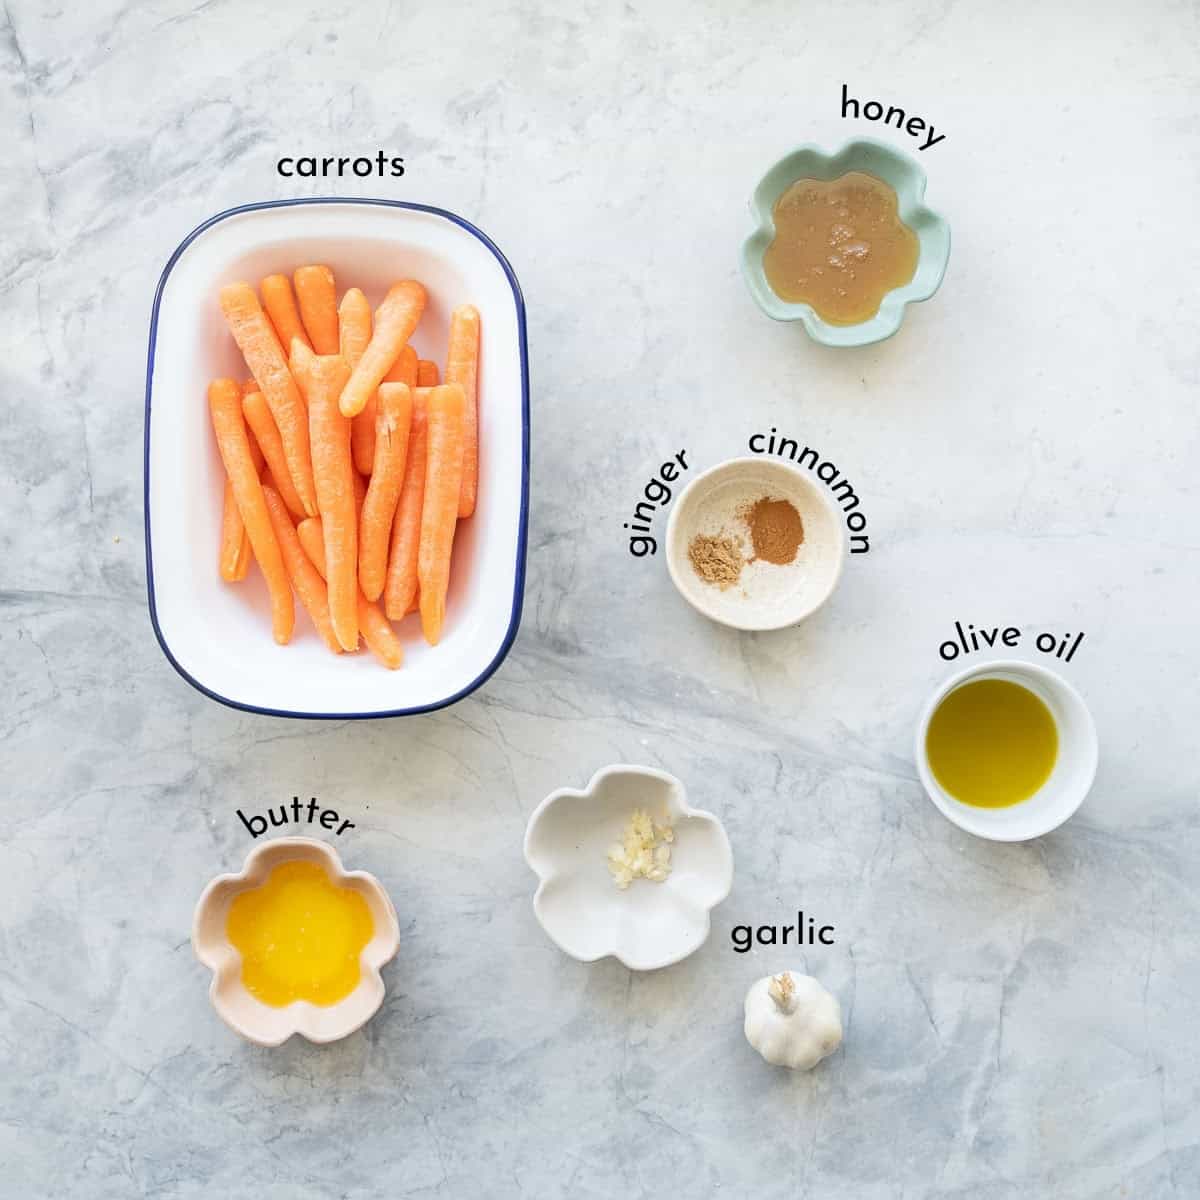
point(584, 913)
point(766, 596)
point(217, 635)
point(265, 1024)
point(1069, 782)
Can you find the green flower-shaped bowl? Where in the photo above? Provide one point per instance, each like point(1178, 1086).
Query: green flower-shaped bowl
point(908, 181)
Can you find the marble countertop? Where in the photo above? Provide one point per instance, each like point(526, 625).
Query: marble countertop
point(1020, 1019)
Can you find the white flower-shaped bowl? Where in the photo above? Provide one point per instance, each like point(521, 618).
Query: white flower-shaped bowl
point(265, 1024)
point(907, 180)
point(648, 925)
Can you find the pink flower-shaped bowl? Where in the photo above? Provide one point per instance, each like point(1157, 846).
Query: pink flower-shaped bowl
point(266, 1024)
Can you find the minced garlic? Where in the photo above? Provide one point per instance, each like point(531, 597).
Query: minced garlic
point(644, 851)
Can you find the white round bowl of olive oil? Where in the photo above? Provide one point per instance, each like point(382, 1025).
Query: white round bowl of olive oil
point(1007, 750)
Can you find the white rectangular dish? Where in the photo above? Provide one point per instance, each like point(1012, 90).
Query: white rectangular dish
point(218, 635)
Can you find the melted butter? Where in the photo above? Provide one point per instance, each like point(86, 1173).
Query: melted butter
point(992, 743)
point(840, 246)
point(299, 935)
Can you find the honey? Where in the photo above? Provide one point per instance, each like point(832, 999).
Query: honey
point(299, 935)
point(992, 743)
point(840, 246)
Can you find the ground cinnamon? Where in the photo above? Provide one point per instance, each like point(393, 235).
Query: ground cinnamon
point(716, 559)
point(776, 530)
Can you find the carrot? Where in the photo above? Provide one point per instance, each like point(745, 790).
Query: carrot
point(404, 369)
point(377, 633)
point(400, 591)
point(225, 405)
point(392, 426)
point(236, 555)
point(439, 511)
point(301, 365)
point(250, 385)
point(354, 326)
point(251, 382)
point(312, 538)
point(256, 340)
point(354, 330)
point(362, 437)
point(395, 320)
point(462, 367)
point(266, 436)
point(299, 361)
point(280, 304)
point(310, 587)
point(317, 297)
point(427, 373)
point(334, 475)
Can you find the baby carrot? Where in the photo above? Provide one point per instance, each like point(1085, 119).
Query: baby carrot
point(280, 304)
point(256, 339)
point(266, 437)
point(462, 367)
point(362, 437)
point(395, 320)
point(312, 538)
point(301, 364)
point(225, 405)
point(317, 297)
point(400, 591)
point(299, 360)
point(334, 475)
point(392, 426)
point(354, 326)
point(439, 511)
point(354, 330)
point(404, 369)
point(236, 554)
point(377, 633)
point(427, 373)
point(310, 587)
point(234, 559)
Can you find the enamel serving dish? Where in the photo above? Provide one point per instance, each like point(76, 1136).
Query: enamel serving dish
point(217, 635)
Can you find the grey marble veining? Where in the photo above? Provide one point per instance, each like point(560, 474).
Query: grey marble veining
point(1020, 1019)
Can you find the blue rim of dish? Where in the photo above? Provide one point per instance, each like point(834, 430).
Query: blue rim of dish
point(522, 532)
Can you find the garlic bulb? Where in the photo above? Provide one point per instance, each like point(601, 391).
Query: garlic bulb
point(792, 1021)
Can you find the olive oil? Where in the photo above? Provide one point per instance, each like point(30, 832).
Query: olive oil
point(992, 743)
